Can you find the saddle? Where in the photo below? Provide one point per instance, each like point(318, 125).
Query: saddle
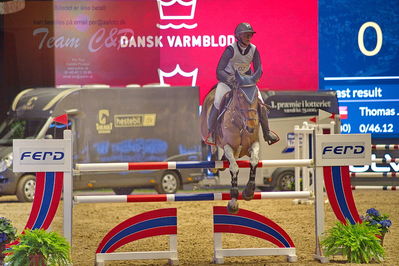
point(225, 103)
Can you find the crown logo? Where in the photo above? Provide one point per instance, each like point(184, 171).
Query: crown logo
point(176, 10)
point(193, 74)
point(170, 10)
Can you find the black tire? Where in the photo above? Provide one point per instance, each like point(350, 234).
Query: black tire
point(264, 188)
point(123, 190)
point(26, 188)
point(285, 181)
point(169, 183)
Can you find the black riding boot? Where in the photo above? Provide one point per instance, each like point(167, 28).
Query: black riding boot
point(269, 136)
point(212, 119)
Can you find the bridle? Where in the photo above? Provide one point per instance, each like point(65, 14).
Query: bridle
point(243, 112)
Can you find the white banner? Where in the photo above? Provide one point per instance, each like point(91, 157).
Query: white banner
point(41, 155)
point(340, 150)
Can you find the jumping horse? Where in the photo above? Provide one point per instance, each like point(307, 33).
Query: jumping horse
point(237, 131)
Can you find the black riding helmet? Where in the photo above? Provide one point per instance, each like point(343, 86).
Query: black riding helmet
point(243, 28)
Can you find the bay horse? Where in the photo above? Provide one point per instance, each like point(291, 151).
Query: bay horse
point(237, 131)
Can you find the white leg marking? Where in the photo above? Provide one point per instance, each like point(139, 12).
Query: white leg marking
point(228, 151)
point(254, 154)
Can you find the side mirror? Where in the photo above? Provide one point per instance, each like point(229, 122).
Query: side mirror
point(49, 136)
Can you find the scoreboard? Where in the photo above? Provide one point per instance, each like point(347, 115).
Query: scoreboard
point(359, 58)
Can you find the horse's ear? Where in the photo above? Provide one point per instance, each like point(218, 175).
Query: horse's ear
point(257, 74)
point(238, 77)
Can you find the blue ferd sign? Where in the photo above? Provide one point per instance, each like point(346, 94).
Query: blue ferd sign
point(330, 150)
point(41, 155)
point(34, 156)
point(341, 150)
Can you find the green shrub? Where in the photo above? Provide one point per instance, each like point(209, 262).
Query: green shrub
point(54, 248)
point(357, 242)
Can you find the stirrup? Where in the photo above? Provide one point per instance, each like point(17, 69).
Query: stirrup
point(209, 140)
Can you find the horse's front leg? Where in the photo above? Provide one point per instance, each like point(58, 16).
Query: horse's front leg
point(249, 190)
point(232, 206)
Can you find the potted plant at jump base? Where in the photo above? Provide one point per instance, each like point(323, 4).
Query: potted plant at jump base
point(7, 235)
point(357, 242)
point(39, 247)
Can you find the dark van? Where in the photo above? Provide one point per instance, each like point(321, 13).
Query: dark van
point(109, 125)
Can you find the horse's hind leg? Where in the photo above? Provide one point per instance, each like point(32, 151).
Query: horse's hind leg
point(232, 206)
point(249, 190)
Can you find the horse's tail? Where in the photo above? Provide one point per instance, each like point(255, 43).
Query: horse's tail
point(206, 105)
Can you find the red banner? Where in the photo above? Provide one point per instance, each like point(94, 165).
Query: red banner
point(180, 42)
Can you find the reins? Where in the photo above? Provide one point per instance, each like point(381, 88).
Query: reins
point(242, 113)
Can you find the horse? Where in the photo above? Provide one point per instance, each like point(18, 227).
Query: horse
point(237, 131)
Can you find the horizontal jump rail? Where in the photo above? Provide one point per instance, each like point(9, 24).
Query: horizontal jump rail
point(383, 160)
point(385, 147)
point(188, 197)
point(375, 188)
point(374, 174)
point(186, 164)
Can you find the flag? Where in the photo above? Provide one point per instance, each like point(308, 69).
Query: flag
point(324, 115)
point(62, 119)
point(343, 112)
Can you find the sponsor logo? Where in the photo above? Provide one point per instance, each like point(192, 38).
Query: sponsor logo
point(193, 75)
point(176, 10)
point(174, 41)
point(337, 150)
point(31, 156)
point(43, 155)
point(103, 126)
point(375, 167)
point(290, 143)
point(135, 120)
point(30, 104)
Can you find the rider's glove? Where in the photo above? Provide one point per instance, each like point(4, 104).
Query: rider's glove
point(231, 80)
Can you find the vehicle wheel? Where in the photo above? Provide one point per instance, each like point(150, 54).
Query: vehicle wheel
point(123, 190)
point(169, 183)
point(26, 188)
point(285, 180)
point(264, 188)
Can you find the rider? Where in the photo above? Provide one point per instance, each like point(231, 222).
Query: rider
point(239, 56)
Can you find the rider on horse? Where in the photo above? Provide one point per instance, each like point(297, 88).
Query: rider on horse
point(239, 56)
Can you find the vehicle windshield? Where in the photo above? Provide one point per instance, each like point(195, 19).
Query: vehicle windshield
point(13, 128)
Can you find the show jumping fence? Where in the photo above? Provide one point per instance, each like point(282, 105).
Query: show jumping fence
point(386, 147)
point(379, 147)
point(219, 253)
point(336, 179)
point(117, 167)
point(144, 225)
point(374, 188)
point(303, 148)
point(188, 197)
point(303, 143)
